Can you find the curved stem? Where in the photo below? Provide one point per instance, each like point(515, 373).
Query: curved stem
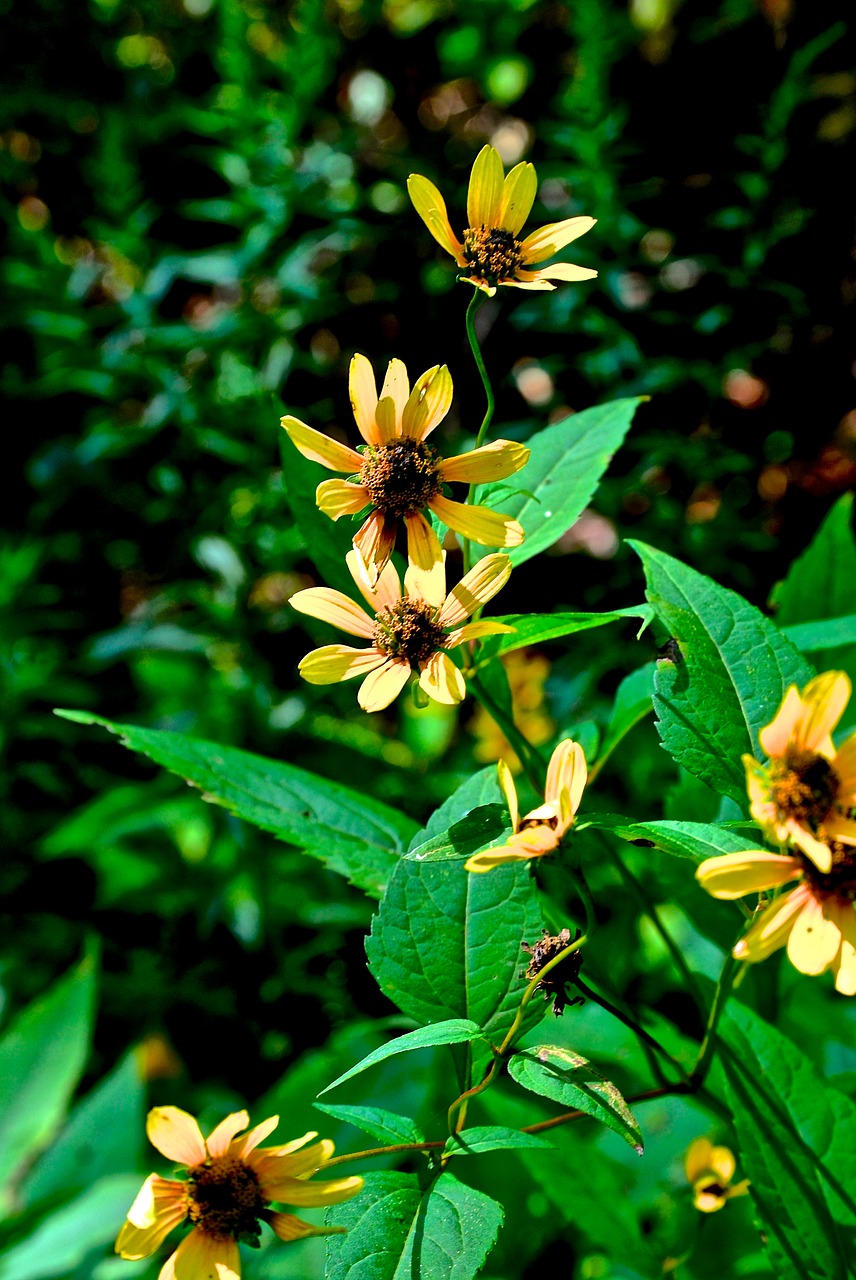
point(533, 765)
point(460, 1103)
point(730, 972)
point(475, 302)
point(665, 1091)
point(384, 1151)
point(634, 1026)
point(531, 989)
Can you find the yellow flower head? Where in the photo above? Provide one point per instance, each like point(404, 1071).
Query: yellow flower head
point(815, 919)
point(229, 1186)
point(540, 831)
point(490, 251)
point(411, 630)
point(399, 476)
point(805, 791)
point(709, 1172)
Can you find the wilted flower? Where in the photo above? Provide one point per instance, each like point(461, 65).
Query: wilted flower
point(709, 1172)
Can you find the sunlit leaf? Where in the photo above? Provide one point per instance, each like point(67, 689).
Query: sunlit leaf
point(450, 1031)
point(566, 1077)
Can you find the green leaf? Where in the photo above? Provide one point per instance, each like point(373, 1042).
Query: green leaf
point(74, 1233)
point(633, 701)
point(446, 943)
point(386, 1126)
point(451, 1031)
point(733, 670)
point(566, 1077)
point(42, 1055)
point(833, 633)
point(479, 789)
point(566, 462)
point(820, 582)
point(786, 1124)
point(327, 541)
point(491, 1137)
point(397, 1231)
point(473, 833)
point(695, 840)
point(350, 832)
point(104, 1135)
point(536, 628)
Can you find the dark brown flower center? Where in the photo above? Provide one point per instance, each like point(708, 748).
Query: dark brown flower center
point(493, 253)
point(841, 877)
point(408, 630)
point(401, 477)
point(804, 787)
point(224, 1198)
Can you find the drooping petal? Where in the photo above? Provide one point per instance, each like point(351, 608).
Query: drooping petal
point(431, 207)
point(396, 387)
point(484, 193)
point(819, 852)
point(203, 1257)
point(341, 498)
point(488, 576)
point(273, 1164)
point(427, 585)
point(518, 196)
point(334, 607)
point(479, 283)
point(363, 392)
point(160, 1206)
point(375, 540)
point(306, 1194)
point(176, 1135)
point(475, 631)
point(219, 1139)
point(542, 244)
point(492, 461)
point(541, 836)
point(384, 685)
point(490, 858)
point(385, 592)
point(478, 524)
point(535, 285)
point(428, 404)
point(823, 699)
point(442, 680)
point(247, 1143)
point(844, 764)
point(288, 1228)
point(566, 778)
point(423, 547)
point(844, 914)
point(567, 271)
point(732, 875)
point(814, 940)
point(770, 930)
point(320, 448)
point(698, 1159)
point(508, 789)
point(335, 662)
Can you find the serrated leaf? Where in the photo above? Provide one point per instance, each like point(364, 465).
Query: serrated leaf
point(695, 840)
point(397, 1231)
point(536, 628)
point(450, 1031)
point(42, 1055)
point(566, 1077)
point(492, 1137)
point(732, 673)
point(386, 1126)
point(565, 464)
point(479, 789)
point(470, 835)
point(353, 834)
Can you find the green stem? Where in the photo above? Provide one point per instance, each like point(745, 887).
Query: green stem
point(531, 989)
point(634, 1026)
point(384, 1151)
point(533, 765)
point(730, 972)
point(664, 1091)
point(475, 302)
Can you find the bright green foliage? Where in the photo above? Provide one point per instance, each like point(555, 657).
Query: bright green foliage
point(633, 701)
point(492, 1137)
point(74, 1236)
point(568, 1078)
point(450, 1031)
point(380, 1124)
point(732, 673)
point(483, 826)
point(397, 1230)
point(535, 628)
point(695, 840)
point(480, 789)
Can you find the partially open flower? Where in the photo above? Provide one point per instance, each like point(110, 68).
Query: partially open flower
point(540, 831)
point(411, 630)
point(709, 1172)
point(805, 792)
point(227, 1193)
point(815, 919)
point(489, 251)
point(399, 476)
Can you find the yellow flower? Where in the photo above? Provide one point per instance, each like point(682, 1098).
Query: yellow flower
point(540, 831)
point(228, 1190)
point(409, 631)
point(709, 1172)
point(816, 918)
point(399, 475)
point(496, 211)
point(804, 792)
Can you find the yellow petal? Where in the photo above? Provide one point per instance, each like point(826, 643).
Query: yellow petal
point(383, 686)
point(363, 392)
point(823, 699)
point(776, 736)
point(159, 1207)
point(219, 1139)
point(698, 1158)
point(375, 540)
point(431, 207)
point(385, 592)
point(518, 196)
point(396, 387)
point(488, 576)
point(542, 244)
point(423, 548)
point(840, 828)
point(475, 631)
point(307, 1194)
point(844, 764)
point(428, 404)
point(491, 462)
point(567, 271)
point(566, 776)
point(246, 1144)
point(844, 966)
point(442, 680)
point(508, 789)
point(535, 285)
point(478, 283)
point(387, 419)
point(341, 498)
point(814, 940)
point(708, 1196)
point(485, 190)
point(288, 1228)
point(427, 585)
point(176, 1135)
point(334, 607)
point(335, 662)
point(272, 1164)
point(758, 788)
point(807, 841)
point(320, 448)
point(478, 524)
point(770, 930)
point(723, 1164)
point(490, 858)
point(203, 1257)
point(732, 875)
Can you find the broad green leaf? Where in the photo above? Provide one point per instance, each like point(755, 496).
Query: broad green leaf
point(353, 834)
point(820, 582)
point(397, 1231)
point(386, 1126)
point(695, 840)
point(633, 701)
point(478, 829)
point(446, 943)
point(566, 1077)
point(732, 673)
point(491, 1137)
point(566, 462)
point(73, 1233)
point(104, 1135)
point(451, 1031)
point(327, 541)
point(479, 789)
point(536, 628)
point(42, 1055)
point(832, 633)
point(785, 1137)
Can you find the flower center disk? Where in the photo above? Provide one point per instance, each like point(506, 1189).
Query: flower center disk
point(407, 630)
point(224, 1198)
point(804, 787)
point(841, 877)
point(492, 252)
point(401, 476)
